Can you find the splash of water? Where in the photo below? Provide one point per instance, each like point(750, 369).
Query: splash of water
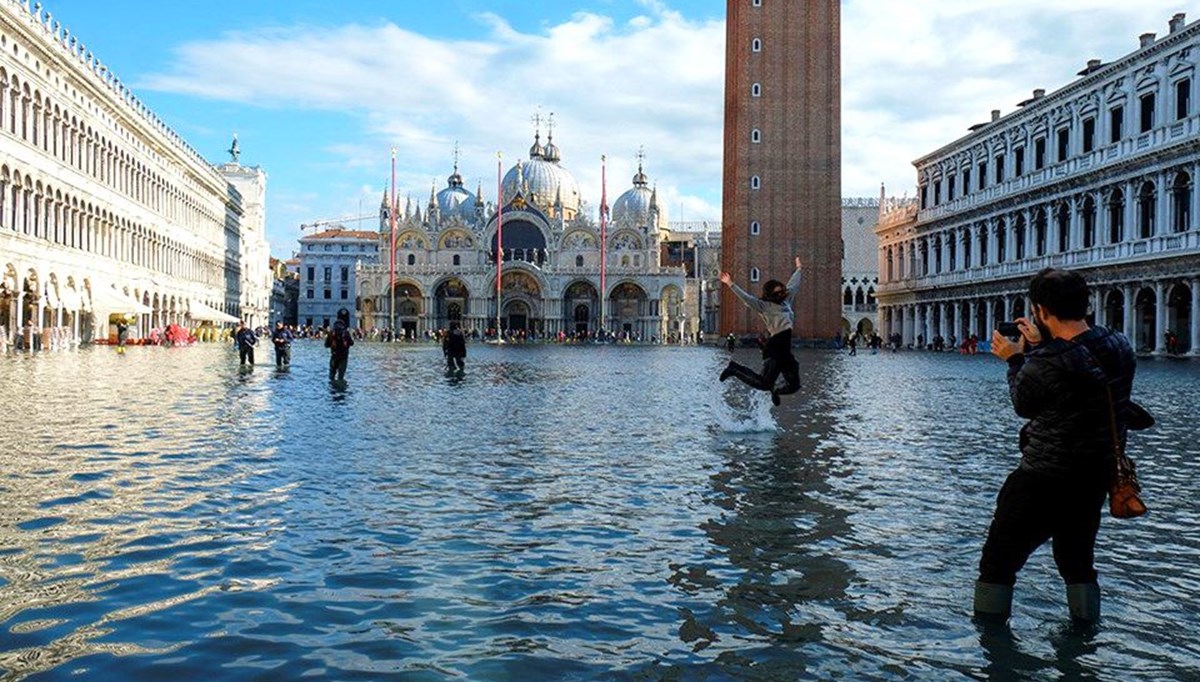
point(754, 416)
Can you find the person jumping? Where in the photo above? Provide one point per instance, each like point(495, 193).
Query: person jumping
point(775, 307)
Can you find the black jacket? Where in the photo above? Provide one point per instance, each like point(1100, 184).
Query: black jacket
point(339, 339)
point(246, 338)
point(454, 344)
point(1062, 387)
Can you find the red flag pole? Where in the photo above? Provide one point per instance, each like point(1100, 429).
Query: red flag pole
point(499, 238)
point(392, 252)
point(603, 241)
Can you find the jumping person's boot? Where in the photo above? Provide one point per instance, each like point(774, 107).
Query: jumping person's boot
point(993, 603)
point(728, 371)
point(1083, 599)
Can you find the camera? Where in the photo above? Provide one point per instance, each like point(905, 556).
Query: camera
point(1009, 329)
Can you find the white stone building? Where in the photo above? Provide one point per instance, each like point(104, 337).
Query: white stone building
point(329, 262)
point(860, 263)
point(104, 210)
point(1098, 176)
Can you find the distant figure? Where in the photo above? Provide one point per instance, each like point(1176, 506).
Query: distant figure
point(853, 343)
point(282, 338)
point(339, 342)
point(122, 335)
point(730, 343)
point(775, 308)
point(246, 341)
point(454, 347)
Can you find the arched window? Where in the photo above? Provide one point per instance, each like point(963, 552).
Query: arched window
point(755, 136)
point(412, 259)
point(1116, 216)
point(755, 182)
point(457, 259)
point(755, 227)
point(579, 261)
point(848, 297)
point(1181, 202)
point(1146, 199)
point(756, 90)
point(1039, 237)
point(756, 45)
point(753, 274)
point(1087, 218)
point(1001, 240)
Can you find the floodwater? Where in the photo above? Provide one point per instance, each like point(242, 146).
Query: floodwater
point(582, 513)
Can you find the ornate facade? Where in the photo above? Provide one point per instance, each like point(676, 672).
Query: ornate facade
point(103, 209)
point(1098, 176)
point(446, 259)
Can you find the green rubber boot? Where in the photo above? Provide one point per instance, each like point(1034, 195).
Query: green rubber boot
point(1084, 601)
point(993, 602)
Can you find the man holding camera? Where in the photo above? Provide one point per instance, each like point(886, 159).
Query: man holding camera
point(1062, 375)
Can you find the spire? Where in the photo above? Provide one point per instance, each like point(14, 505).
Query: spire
point(455, 180)
point(551, 152)
point(537, 151)
point(640, 180)
point(654, 198)
point(408, 207)
point(479, 194)
point(432, 196)
point(383, 203)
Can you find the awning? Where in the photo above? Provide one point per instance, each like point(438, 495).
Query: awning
point(109, 300)
point(202, 312)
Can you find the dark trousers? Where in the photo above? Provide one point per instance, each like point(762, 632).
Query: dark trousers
point(338, 360)
point(1033, 508)
point(283, 355)
point(772, 369)
point(453, 363)
point(246, 354)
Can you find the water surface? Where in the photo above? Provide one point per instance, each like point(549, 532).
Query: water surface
point(555, 513)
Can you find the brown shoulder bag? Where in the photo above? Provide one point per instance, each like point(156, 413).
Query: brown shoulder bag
point(1124, 499)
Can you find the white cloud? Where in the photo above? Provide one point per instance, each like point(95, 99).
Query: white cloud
point(915, 75)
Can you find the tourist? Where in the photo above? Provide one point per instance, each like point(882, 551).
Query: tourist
point(246, 341)
point(282, 338)
point(339, 341)
point(730, 343)
point(122, 335)
point(1061, 374)
point(454, 347)
point(775, 308)
point(853, 344)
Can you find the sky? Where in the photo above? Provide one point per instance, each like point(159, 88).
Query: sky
point(319, 92)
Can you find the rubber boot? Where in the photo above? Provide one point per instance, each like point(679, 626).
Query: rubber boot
point(993, 603)
point(1083, 599)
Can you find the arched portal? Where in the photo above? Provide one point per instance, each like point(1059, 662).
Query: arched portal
point(1144, 320)
point(1179, 317)
point(581, 304)
point(409, 308)
point(451, 297)
point(628, 306)
point(1114, 311)
point(522, 300)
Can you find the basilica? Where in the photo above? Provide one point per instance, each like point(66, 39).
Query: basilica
point(549, 280)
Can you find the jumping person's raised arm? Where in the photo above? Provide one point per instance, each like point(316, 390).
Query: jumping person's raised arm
point(793, 284)
point(749, 299)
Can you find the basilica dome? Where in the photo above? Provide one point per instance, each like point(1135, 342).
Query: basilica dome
point(542, 181)
point(635, 205)
point(455, 200)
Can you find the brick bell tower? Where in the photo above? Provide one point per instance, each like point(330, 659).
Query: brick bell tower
point(782, 176)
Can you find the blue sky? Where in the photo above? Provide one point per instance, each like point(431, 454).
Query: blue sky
point(318, 92)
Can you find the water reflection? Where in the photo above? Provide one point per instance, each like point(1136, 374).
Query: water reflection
point(552, 512)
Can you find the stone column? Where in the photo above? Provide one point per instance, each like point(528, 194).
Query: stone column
point(989, 319)
point(1194, 218)
point(1008, 308)
point(1162, 201)
point(1194, 349)
point(1131, 226)
point(956, 318)
point(1098, 307)
point(1127, 325)
point(928, 323)
point(972, 323)
point(1160, 317)
point(1075, 241)
point(942, 326)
